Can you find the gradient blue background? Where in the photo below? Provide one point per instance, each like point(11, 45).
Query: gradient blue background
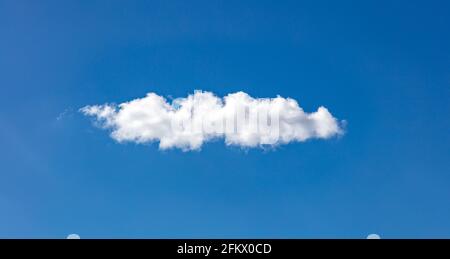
point(381, 65)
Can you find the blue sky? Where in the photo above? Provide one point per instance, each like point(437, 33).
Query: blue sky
point(383, 66)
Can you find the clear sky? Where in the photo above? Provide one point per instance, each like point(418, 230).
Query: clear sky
point(383, 66)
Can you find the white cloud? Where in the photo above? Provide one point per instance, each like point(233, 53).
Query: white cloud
point(373, 236)
point(187, 123)
point(73, 236)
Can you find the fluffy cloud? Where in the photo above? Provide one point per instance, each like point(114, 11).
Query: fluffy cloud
point(187, 123)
